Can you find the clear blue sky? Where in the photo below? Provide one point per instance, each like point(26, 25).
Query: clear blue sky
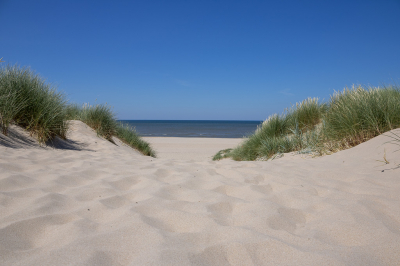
point(234, 60)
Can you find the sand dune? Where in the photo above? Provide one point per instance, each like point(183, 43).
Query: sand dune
point(86, 201)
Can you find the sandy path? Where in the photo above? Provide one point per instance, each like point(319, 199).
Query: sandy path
point(197, 149)
point(96, 203)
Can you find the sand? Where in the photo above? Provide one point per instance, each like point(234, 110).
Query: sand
point(86, 201)
point(198, 149)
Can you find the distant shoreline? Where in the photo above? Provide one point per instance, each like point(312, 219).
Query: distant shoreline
point(193, 128)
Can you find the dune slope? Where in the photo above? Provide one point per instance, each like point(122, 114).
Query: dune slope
point(86, 201)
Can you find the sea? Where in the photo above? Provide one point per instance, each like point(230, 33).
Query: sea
point(193, 128)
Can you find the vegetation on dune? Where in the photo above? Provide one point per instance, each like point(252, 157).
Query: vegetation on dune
point(101, 118)
point(282, 133)
point(28, 101)
point(129, 136)
point(222, 154)
point(347, 119)
point(357, 115)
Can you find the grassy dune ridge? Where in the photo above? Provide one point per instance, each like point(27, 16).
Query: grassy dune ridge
point(349, 118)
point(28, 101)
point(102, 119)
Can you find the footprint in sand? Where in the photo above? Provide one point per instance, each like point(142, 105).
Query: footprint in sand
point(255, 180)
point(221, 212)
point(125, 183)
point(287, 219)
point(114, 202)
point(33, 233)
point(16, 182)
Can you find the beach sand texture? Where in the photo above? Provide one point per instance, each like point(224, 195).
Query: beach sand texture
point(90, 202)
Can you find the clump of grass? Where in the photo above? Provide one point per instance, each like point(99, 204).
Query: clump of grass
point(73, 111)
point(27, 100)
point(349, 118)
point(359, 114)
point(258, 148)
point(129, 136)
point(31, 103)
point(305, 115)
point(101, 118)
point(10, 104)
point(281, 133)
point(222, 154)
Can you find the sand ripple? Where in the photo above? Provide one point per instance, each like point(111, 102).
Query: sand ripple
point(108, 205)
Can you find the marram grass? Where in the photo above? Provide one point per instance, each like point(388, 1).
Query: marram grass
point(356, 115)
point(347, 119)
point(101, 118)
point(28, 101)
point(129, 136)
point(10, 104)
point(281, 133)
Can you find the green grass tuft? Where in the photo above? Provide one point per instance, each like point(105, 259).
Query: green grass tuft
point(222, 154)
point(101, 118)
point(31, 103)
point(305, 115)
point(359, 114)
point(73, 111)
point(349, 118)
point(282, 133)
point(27, 100)
point(129, 136)
point(10, 104)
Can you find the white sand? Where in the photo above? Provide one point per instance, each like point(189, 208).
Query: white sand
point(94, 203)
point(198, 149)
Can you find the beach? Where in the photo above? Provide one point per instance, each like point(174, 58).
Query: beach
point(197, 149)
point(87, 201)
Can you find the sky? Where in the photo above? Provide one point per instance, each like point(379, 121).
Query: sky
point(202, 60)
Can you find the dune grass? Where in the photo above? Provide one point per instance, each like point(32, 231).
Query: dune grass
point(102, 118)
point(347, 119)
point(282, 133)
point(28, 101)
point(222, 154)
point(129, 136)
point(359, 114)
point(10, 104)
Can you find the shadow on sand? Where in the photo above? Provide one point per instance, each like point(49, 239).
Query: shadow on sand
point(18, 138)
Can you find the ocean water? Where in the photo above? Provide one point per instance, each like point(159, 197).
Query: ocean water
point(193, 128)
